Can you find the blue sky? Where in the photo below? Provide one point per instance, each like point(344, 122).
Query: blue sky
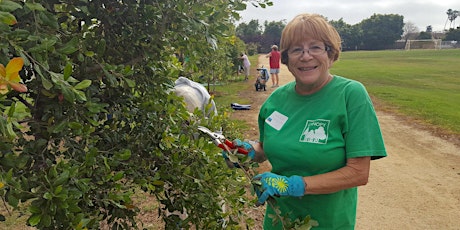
point(421, 13)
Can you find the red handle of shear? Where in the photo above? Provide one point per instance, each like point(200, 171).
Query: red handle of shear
point(230, 145)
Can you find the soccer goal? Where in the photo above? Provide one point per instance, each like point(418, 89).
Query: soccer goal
point(423, 44)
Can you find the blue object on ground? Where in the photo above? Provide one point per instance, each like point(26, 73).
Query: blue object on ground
point(237, 106)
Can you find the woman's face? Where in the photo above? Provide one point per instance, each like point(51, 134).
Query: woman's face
point(309, 63)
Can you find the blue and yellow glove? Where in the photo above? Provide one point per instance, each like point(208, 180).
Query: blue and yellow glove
point(275, 185)
point(237, 143)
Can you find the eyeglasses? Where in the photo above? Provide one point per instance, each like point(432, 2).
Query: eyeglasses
point(314, 50)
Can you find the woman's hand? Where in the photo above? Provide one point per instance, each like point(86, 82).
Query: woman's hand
point(237, 143)
point(272, 184)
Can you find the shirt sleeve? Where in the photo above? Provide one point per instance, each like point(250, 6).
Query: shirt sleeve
point(364, 137)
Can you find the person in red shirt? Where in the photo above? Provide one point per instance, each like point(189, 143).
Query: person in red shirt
point(275, 57)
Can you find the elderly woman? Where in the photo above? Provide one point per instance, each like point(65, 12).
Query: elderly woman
point(319, 132)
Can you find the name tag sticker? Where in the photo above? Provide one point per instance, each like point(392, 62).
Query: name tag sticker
point(276, 120)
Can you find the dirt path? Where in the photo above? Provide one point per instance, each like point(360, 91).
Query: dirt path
point(416, 187)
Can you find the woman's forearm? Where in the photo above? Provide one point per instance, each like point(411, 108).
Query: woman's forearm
point(355, 173)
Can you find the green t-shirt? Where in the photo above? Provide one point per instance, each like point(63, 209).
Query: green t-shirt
point(307, 135)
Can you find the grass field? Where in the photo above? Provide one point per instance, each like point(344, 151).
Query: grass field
point(423, 84)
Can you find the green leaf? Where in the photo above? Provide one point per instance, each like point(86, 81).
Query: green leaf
point(70, 47)
point(58, 189)
point(7, 18)
point(106, 163)
point(48, 196)
point(118, 176)
point(3, 126)
point(33, 38)
point(34, 209)
point(35, 6)
point(12, 200)
point(89, 53)
point(57, 78)
point(75, 125)
point(48, 19)
point(68, 94)
point(72, 80)
point(80, 95)
point(130, 82)
point(158, 183)
point(101, 47)
point(63, 177)
point(96, 107)
point(12, 109)
point(59, 127)
point(46, 44)
point(46, 220)
point(21, 34)
point(73, 207)
point(124, 155)
point(45, 82)
point(233, 158)
point(34, 219)
point(67, 71)
point(83, 84)
point(9, 6)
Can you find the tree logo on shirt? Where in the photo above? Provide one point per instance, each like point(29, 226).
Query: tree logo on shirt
point(315, 131)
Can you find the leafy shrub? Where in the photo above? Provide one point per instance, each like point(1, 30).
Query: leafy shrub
point(97, 122)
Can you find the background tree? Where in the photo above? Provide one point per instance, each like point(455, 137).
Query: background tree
point(251, 34)
point(377, 32)
point(451, 16)
point(271, 35)
point(97, 124)
point(427, 34)
point(424, 35)
point(351, 34)
point(381, 31)
point(453, 35)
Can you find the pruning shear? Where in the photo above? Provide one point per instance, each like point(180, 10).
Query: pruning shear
point(220, 141)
